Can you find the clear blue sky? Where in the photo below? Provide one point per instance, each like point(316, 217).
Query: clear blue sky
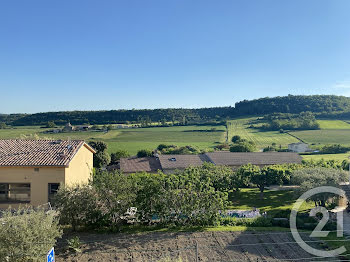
point(110, 54)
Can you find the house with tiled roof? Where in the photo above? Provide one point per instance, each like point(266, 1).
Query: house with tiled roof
point(31, 171)
point(139, 164)
point(171, 163)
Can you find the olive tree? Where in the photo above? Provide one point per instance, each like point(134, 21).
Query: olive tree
point(309, 178)
point(27, 234)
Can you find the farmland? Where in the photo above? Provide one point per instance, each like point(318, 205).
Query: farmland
point(260, 138)
point(324, 136)
point(189, 246)
point(133, 140)
point(333, 124)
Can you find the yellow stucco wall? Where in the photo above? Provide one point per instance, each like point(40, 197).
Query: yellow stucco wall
point(38, 181)
point(80, 168)
point(78, 172)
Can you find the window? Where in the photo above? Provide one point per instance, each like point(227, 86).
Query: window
point(53, 188)
point(14, 193)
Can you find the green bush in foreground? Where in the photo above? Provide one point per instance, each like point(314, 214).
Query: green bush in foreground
point(27, 234)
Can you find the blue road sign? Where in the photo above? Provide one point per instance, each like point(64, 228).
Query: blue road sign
point(51, 255)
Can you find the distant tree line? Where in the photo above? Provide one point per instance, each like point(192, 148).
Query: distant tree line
point(320, 105)
point(284, 121)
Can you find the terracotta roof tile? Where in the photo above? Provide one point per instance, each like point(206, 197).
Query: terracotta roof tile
point(21, 152)
point(142, 164)
point(181, 161)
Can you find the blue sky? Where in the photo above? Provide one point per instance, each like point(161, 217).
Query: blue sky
point(111, 54)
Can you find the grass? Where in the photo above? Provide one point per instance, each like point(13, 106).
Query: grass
point(333, 124)
point(336, 157)
point(273, 201)
point(133, 140)
point(137, 229)
point(260, 138)
point(324, 136)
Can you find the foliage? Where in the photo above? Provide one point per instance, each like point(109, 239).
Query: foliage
point(222, 146)
point(27, 234)
point(3, 125)
point(50, 124)
point(144, 117)
point(101, 158)
point(176, 150)
point(243, 146)
point(245, 174)
point(117, 193)
point(74, 244)
point(99, 146)
point(144, 153)
point(302, 121)
point(294, 104)
point(334, 149)
point(80, 206)
point(115, 157)
point(309, 178)
point(236, 139)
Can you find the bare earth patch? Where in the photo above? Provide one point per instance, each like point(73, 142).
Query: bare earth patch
point(207, 246)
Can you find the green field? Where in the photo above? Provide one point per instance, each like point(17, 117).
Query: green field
point(333, 124)
point(337, 157)
point(260, 138)
point(324, 136)
point(133, 140)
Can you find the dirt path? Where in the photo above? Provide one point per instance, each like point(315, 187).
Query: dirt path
point(191, 247)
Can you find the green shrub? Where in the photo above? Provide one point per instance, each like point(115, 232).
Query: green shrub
point(27, 234)
point(80, 206)
point(144, 153)
point(74, 244)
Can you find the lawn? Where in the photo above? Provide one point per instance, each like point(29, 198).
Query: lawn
point(133, 140)
point(260, 138)
point(273, 201)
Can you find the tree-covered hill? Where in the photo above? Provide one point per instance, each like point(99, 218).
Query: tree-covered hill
point(320, 105)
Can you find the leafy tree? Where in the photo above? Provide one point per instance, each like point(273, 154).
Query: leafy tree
point(2, 125)
point(245, 173)
point(260, 179)
point(236, 139)
point(99, 146)
point(162, 146)
point(334, 149)
point(101, 158)
point(117, 192)
point(50, 124)
point(80, 206)
point(109, 127)
point(243, 146)
point(144, 153)
point(309, 178)
point(115, 157)
point(27, 234)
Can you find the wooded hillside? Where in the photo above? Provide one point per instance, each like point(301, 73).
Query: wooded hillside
point(320, 105)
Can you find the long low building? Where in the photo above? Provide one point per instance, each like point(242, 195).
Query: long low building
point(171, 163)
